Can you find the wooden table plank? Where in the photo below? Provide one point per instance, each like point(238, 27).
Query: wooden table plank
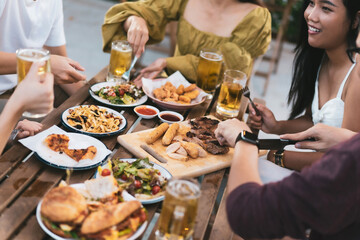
point(31, 231)
point(221, 228)
point(12, 218)
point(209, 190)
point(19, 180)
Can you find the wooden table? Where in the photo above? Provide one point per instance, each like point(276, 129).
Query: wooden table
point(23, 183)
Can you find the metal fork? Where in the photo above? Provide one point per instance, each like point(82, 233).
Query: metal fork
point(246, 93)
point(125, 77)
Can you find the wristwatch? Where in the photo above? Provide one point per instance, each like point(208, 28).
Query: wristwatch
point(279, 157)
point(247, 137)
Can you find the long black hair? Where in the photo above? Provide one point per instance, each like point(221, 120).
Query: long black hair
point(307, 61)
point(257, 2)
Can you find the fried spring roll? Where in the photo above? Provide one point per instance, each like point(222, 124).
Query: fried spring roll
point(156, 133)
point(170, 134)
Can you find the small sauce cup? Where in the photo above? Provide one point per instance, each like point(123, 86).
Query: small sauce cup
point(170, 117)
point(146, 111)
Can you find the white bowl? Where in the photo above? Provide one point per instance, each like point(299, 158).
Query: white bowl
point(178, 115)
point(146, 116)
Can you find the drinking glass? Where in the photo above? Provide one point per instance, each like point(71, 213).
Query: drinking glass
point(120, 60)
point(25, 58)
point(177, 218)
point(230, 93)
point(209, 68)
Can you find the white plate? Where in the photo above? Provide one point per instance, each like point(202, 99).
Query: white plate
point(122, 126)
point(56, 237)
point(165, 173)
point(98, 86)
point(77, 141)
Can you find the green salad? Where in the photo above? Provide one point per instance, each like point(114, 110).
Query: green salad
point(121, 94)
point(138, 178)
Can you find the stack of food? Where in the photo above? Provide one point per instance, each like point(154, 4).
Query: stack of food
point(60, 143)
point(194, 142)
point(94, 212)
point(93, 119)
point(139, 178)
point(121, 94)
point(169, 93)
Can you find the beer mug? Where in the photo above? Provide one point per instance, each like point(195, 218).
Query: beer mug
point(209, 68)
point(229, 100)
point(25, 58)
point(177, 218)
point(120, 60)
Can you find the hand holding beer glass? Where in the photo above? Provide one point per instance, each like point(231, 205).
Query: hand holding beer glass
point(120, 60)
point(209, 69)
point(25, 58)
point(230, 93)
point(177, 218)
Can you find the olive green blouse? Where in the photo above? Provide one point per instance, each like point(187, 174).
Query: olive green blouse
point(248, 40)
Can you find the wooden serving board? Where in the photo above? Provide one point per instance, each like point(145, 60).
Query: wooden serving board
point(191, 168)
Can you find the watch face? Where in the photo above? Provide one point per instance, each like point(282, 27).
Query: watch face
point(249, 137)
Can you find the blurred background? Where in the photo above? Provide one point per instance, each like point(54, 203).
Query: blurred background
point(83, 20)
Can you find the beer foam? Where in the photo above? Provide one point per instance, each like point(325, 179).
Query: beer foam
point(33, 55)
point(211, 56)
point(183, 188)
point(122, 48)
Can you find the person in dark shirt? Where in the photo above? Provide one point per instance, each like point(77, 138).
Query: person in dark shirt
point(324, 197)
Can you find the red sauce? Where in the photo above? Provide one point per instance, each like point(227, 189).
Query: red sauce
point(146, 111)
point(170, 117)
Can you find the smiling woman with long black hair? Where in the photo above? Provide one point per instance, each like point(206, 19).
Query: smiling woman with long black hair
point(324, 85)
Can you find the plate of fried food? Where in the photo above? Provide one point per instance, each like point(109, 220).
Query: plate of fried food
point(93, 120)
point(142, 179)
point(71, 151)
point(174, 92)
point(118, 95)
point(81, 211)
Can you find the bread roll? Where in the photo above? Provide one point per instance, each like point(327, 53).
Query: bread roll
point(63, 204)
point(170, 134)
point(108, 216)
point(156, 133)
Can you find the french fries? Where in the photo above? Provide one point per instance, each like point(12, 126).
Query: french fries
point(169, 93)
point(156, 133)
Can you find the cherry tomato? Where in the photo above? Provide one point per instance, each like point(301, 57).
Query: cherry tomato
point(121, 92)
point(112, 94)
point(158, 173)
point(105, 172)
point(137, 184)
point(123, 177)
point(155, 189)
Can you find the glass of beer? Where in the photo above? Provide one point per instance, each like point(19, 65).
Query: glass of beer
point(230, 93)
point(177, 218)
point(25, 58)
point(120, 60)
point(209, 68)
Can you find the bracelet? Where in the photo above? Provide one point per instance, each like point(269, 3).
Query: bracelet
point(279, 158)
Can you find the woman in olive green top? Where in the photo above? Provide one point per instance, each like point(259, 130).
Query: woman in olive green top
point(241, 30)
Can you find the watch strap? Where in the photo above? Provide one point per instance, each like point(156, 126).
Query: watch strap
point(279, 158)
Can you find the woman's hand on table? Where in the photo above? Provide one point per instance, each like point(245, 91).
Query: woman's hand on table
point(265, 122)
point(151, 71)
point(35, 93)
point(227, 131)
point(137, 34)
point(28, 128)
